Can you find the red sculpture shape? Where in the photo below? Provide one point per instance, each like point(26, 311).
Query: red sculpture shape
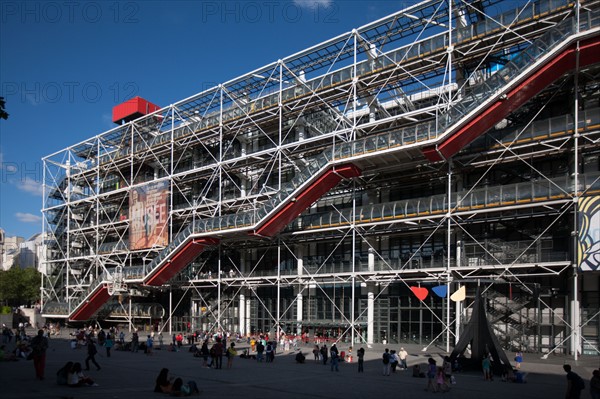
point(420, 292)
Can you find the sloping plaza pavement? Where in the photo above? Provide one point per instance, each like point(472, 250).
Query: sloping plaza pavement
point(132, 375)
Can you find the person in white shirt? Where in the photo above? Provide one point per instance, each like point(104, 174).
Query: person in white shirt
point(402, 355)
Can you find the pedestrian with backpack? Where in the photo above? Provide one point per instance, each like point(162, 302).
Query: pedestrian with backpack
point(386, 362)
point(575, 383)
point(334, 357)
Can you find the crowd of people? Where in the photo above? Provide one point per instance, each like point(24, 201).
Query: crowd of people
point(211, 348)
point(22, 347)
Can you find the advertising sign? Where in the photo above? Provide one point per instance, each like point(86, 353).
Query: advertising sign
point(148, 214)
point(588, 243)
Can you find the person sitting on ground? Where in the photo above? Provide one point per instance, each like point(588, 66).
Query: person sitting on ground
point(417, 373)
point(6, 356)
point(22, 349)
point(163, 382)
point(62, 375)
point(520, 377)
point(180, 389)
point(76, 378)
point(508, 374)
point(300, 358)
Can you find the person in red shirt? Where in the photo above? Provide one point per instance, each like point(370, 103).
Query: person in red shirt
point(39, 344)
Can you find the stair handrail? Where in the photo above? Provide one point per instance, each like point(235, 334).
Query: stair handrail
point(429, 130)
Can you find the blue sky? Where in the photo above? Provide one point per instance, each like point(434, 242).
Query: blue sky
point(64, 65)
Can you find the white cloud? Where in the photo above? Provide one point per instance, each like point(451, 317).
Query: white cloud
point(31, 186)
point(28, 217)
point(313, 4)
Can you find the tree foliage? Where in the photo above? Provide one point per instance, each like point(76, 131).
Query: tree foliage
point(19, 286)
point(3, 113)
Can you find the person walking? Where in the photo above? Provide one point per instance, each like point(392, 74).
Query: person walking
point(204, 352)
point(575, 383)
point(108, 344)
point(431, 373)
point(447, 367)
point(361, 360)
point(486, 365)
point(316, 353)
point(91, 351)
point(218, 351)
point(334, 357)
point(393, 360)
point(386, 362)
point(39, 345)
point(135, 341)
point(595, 384)
point(149, 345)
point(269, 352)
point(260, 348)
point(324, 354)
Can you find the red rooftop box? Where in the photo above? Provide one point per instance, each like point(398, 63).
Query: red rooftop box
point(132, 109)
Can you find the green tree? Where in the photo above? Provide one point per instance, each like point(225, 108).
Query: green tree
point(19, 286)
point(3, 113)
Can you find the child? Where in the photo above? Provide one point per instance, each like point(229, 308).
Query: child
point(440, 379)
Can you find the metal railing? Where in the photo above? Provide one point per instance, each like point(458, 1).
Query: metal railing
point(317, 165)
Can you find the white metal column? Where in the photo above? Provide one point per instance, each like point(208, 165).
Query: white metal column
point(299, 298)
point(299, 310)
point(371, 300)
point(242, 308)
point(248, 315)
point(370, 313)
point(575, 309)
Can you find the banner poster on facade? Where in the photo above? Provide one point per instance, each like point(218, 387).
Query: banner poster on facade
point(588, 243)
point(148, 213)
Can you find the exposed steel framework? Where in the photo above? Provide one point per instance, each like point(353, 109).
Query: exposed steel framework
point(435, 146)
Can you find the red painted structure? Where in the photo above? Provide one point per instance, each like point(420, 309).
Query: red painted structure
point(132, 109)
point(90, 306)
point(313, 192)
point(192, 248)
point(589, 53)
point(538, 79)
point(179, 260)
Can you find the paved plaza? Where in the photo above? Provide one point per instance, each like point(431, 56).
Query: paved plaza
point(132, 375)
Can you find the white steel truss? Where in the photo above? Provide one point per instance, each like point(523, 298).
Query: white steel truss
point(380, 97)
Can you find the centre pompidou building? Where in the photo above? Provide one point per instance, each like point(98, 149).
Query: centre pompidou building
point(361, 189)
